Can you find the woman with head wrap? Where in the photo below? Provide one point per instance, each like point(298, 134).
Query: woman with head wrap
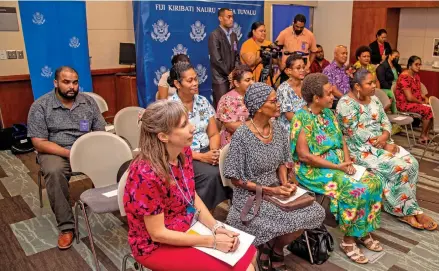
point(323, 165)
point(257, 156)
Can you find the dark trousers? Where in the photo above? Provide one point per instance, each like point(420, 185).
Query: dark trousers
point(57, 171)
point(218, 91)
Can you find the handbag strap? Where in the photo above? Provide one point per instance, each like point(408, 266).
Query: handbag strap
point(257, 198)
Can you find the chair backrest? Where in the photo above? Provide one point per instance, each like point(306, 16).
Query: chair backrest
point(424, 89)
point(99, 155)
point(121, 191)
point(434, 103)
point(102, 104)
point(126, 125)
point(382, 96)
point(222, 160)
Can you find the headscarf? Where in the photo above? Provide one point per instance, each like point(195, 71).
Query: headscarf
point(256, 96)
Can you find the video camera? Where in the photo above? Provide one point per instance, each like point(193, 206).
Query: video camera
point(272, 51)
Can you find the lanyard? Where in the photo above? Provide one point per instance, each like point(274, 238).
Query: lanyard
point(191, 202)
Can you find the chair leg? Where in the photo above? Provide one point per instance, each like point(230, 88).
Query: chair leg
point(428, 145)
point(124, 261)
point(137, 266)
point(90, 235)
point(413, 134)
point(309, 247)
point(76, 222)
point(40, 189)
point(408, 137)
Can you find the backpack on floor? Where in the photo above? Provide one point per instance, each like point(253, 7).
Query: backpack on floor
point(20, 142)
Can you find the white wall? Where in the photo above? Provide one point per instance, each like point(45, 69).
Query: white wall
point(417, 28)
point(333, 25)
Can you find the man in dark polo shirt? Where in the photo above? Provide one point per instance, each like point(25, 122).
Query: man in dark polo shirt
point(56, 120)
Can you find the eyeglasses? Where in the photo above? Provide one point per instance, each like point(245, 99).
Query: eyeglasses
point(299, 68)
point(274, 101)
point(418, 64)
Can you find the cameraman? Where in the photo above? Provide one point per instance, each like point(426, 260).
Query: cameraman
point(250, 51)
point(297, 38)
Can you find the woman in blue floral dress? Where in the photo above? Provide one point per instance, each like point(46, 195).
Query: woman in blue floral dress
point(323, 165)
point(206, 141)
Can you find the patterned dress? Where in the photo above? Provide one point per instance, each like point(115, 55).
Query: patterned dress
point(289, 102)
point(207, 177)
point(231, 108)
point(249, 159)
point(355, 204)
point(399, 176)
point(148, 194)
point(200, 115)
point(405, 81)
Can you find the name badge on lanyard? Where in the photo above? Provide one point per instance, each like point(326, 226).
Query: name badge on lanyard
point(303, 45)
point(84, 126)
point(235, 46)
point(191, 210)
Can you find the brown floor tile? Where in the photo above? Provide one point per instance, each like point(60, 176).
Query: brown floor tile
point(398, 236)
point(396, 268)
point(296, 263)
point(391, 244)
point(2, 173)
point(13, 210)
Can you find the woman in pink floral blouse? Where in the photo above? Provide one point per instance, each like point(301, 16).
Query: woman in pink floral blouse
point(231, 109)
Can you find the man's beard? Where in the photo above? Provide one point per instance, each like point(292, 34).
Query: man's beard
point(67, 97)
point(320, 58)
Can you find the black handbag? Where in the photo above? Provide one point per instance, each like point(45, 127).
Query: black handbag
point(313, 245)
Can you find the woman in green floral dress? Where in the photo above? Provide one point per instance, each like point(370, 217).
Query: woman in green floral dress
point(323, 165)
point(367, 130)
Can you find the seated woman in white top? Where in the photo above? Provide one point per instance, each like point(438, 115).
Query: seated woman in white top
point(165, 90)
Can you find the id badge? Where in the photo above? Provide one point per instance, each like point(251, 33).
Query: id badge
point(235, 46)
point(195, 218)
point(83, 126)
point(303, 45)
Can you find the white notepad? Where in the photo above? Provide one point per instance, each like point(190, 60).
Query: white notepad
point(400, 118)
point(359, 172)
point(230, 258)
point(402, 152)
point(110, 194)
point(299, 192)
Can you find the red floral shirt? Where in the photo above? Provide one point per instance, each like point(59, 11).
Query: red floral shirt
point(147, 194)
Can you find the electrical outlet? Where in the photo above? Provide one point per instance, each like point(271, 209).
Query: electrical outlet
point(12, 54)
point(20, 54)
point(3, 55)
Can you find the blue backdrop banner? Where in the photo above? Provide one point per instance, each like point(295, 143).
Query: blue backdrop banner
point(164, 29)
point(55, 34)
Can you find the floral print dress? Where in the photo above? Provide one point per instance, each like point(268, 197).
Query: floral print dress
point(289, 102)
point(231, 108)
point(399, 176)
point(355, 204)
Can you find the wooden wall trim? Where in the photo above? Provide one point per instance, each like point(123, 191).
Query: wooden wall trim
point(26, 77)
point(395, 4)
point(15, 78)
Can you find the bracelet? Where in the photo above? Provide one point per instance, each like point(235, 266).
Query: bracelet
point(214, 242)
point(216, 227)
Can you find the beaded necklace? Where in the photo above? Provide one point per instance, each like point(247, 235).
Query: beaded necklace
point(320, 119)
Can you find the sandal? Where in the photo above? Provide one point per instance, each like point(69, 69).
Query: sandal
point(277, 258)
point(412, 222)
point(355, 254)
point(370, 243)
point(263, 265)
point(428, 223)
